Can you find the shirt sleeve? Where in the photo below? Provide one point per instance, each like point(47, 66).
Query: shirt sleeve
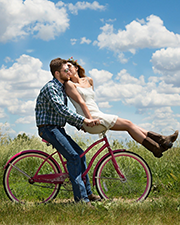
point(56, 99)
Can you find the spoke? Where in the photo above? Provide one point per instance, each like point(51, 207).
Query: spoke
point(108, 178)
point(51, 187)
point(20, 170)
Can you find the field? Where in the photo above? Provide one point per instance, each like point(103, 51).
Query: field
point(161, 207)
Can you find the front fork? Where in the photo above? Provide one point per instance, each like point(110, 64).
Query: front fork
point(119, 172)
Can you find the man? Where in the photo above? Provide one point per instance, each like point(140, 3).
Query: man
point(52, 114)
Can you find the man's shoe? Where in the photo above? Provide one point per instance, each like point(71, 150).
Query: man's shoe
point(94, 198)
point(90, 206)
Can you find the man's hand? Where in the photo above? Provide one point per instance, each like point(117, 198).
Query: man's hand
point(91, 122)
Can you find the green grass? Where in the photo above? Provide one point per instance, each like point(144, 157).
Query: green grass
point(161, 207)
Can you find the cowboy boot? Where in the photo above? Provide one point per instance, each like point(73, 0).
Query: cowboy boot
point(165, 141)
point(153, 147)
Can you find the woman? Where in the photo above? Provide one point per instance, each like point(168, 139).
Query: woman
point(80, 91)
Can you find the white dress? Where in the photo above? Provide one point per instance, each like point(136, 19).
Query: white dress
point(107, 120)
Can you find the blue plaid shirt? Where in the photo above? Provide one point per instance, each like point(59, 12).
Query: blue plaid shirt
point(51, 108)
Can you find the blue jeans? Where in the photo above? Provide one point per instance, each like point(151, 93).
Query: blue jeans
point(71, 152)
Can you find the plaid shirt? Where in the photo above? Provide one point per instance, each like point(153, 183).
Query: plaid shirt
point(51, 108)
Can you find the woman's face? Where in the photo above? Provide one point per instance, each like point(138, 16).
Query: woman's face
point(72, 69)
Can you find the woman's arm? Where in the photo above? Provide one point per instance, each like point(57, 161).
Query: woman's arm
point(72, 92)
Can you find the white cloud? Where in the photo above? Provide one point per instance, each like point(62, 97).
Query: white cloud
point(29, 50)
point(104, 105)
point(81, 62)
point(163, 120)
point(135, 91)
point(25, 120)
point(167, 63)
point(8, 59)
point(6, 129)
point(41, 18)
point(73, 41)
point(20, 84)
point(85, 5)
point(166, 60)
point(125, 78)
point(2, 113)
point(84, 40)
point(137, 35)
point(108, 21)
point(22, 107)
point(100, 76)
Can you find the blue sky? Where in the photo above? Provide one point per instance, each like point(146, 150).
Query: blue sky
point(130, 48)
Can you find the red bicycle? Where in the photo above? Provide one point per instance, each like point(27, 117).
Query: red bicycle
point(36, 176)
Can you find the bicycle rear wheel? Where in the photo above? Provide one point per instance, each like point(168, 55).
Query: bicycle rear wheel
point(138, 177)
point(17, 185)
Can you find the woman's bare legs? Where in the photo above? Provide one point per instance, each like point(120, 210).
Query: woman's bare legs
point(136, 132)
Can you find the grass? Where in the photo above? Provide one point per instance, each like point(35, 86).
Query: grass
point(161, 207)
point(161, 211)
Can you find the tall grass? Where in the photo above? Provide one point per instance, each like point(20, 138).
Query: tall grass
point(161, 207)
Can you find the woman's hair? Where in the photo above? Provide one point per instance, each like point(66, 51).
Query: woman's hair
point(56, 65)
point(81, 70)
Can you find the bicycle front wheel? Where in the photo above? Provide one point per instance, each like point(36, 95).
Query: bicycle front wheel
point(137, 185)
point(20, 169)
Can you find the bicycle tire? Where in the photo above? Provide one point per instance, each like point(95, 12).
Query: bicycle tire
point(17, 185)
point(137, 172)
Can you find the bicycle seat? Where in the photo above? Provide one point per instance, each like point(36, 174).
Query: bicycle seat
point(47, 143)
point(97, 129)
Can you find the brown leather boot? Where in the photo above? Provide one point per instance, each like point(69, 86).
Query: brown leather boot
point(94, 198)
point(153, 147)
point(165, 141)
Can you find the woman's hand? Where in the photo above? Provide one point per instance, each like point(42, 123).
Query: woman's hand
point(91, 122)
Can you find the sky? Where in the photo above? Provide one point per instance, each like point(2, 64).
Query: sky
point(130, 48)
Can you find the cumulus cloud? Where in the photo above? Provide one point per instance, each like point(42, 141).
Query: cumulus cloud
point(166, 62)
point(100, 76)
point(135, 91)
point(41, 18)
point(104, 105)
point(138, 34)
point(20, 84)
point(25, 120)
point(163, 119)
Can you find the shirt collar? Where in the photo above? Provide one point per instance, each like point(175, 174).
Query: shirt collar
point(58, 82)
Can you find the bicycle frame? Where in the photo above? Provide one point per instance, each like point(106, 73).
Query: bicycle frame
point(60, 177)
point(106, 145)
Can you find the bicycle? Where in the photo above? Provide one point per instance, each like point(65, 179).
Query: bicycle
point(36, 176)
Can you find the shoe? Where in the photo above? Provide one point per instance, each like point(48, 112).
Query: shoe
point(94, 198)
point(90, 206)
point(153, 147)
point(165, 141)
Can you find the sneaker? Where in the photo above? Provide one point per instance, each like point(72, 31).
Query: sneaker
point(94, 198)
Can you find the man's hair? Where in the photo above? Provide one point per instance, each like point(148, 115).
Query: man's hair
point(81, 70)
point(56, 65)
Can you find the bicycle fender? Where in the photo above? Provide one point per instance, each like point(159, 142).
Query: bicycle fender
point(101, 159)
point(28, 151)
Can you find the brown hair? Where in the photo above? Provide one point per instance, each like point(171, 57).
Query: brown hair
point(56, 65)
point(81, 70)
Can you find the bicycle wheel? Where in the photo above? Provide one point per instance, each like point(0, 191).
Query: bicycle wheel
point(17, 185)
point(138, 177)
